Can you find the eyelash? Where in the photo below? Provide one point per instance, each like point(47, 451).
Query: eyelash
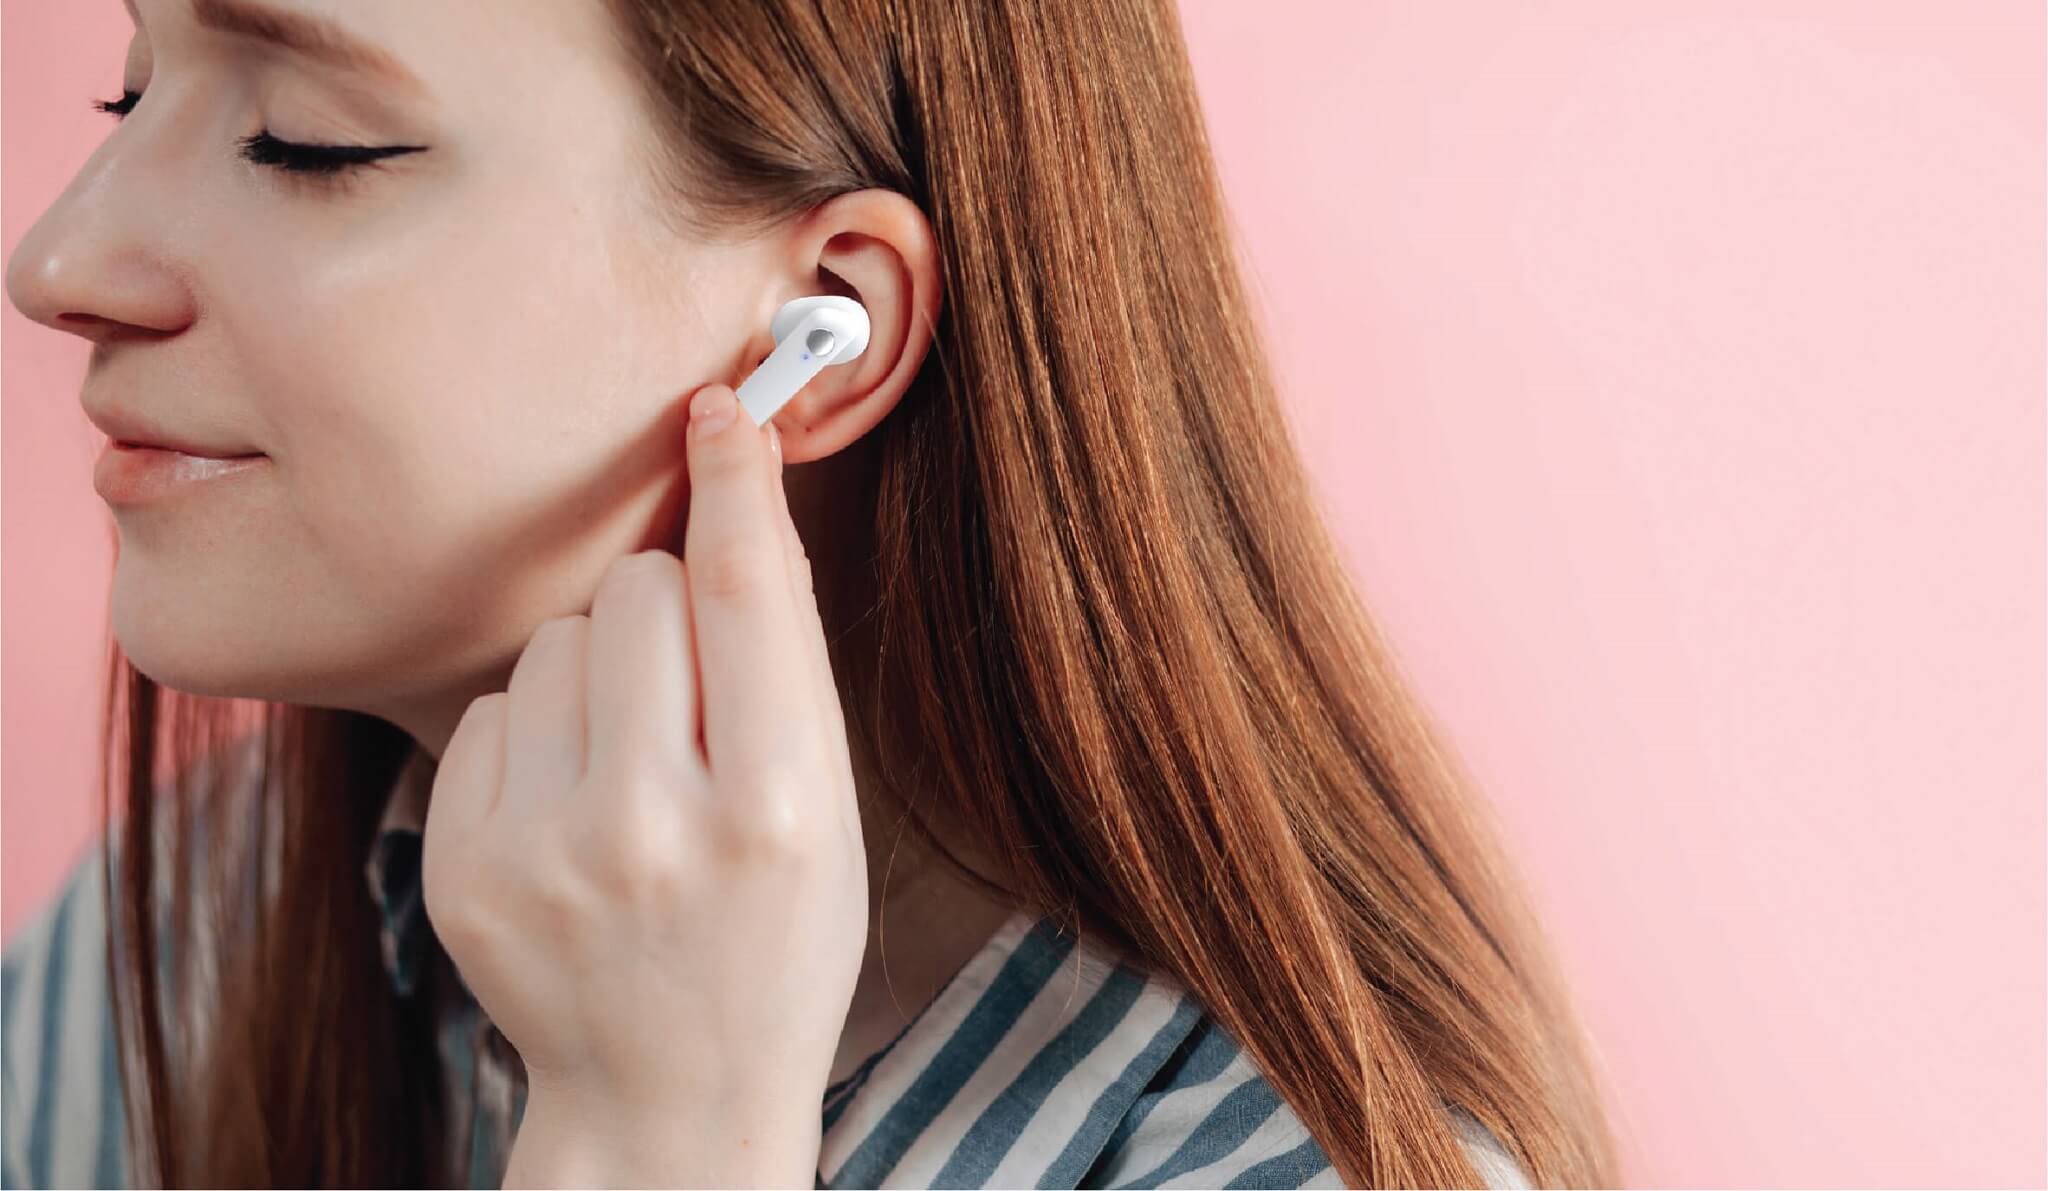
point(314, 162)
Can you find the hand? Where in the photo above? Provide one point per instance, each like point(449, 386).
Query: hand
point(645, 856)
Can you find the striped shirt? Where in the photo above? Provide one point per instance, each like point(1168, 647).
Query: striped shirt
point(1043, 1062)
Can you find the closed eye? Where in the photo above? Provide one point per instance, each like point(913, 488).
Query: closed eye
point(265, 149)
point(292, 157)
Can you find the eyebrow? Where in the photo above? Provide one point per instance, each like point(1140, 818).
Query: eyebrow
point(314, 37)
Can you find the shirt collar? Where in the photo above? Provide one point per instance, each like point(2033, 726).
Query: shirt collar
point(393, 873)
point(964, 1095)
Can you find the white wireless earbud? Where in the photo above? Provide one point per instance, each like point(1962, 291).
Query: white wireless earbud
point(810, 333)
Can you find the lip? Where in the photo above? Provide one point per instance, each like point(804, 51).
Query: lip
point(131, 475)
point(128, 429)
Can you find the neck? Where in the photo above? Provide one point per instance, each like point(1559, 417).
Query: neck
point(924, 919)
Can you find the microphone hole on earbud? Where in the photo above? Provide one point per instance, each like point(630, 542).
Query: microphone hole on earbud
point(819, 341)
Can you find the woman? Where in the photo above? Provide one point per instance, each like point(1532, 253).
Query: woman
point(1165, 878)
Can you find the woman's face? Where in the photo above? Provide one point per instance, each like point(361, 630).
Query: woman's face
point(465, 364)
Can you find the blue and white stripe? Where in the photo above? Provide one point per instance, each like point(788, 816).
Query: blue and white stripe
point(1047, 1063)
point(61, 1117)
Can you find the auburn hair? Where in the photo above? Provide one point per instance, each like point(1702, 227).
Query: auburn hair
point(1104, 616)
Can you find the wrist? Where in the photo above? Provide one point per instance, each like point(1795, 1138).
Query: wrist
point(574, 1138)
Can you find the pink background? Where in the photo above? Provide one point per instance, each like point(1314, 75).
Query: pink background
point(1674, 378)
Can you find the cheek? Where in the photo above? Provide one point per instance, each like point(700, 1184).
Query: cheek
point(447, 312)
point(416, 357)
point(468, 427)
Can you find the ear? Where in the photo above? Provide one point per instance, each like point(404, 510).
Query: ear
point(875, 247)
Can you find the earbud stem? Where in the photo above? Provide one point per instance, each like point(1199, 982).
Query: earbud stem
point(782, 375)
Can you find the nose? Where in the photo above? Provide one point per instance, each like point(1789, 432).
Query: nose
point(95, 263)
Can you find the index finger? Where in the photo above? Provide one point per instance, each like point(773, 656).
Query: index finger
point(753, 666)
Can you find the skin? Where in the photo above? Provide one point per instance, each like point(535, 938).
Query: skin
point(468, 367)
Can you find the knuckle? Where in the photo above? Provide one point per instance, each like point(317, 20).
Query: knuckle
point(644, 881)
point(639, 846)
point(768, 821)
point(459, 935)
point(479, 716)
point(650, 863)
point(557, 900)
point(730, 574)
point(451, 892)
point(715, 459)
point(652, 568)
point(551, 645)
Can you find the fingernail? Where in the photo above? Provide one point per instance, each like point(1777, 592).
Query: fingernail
point(711, 410)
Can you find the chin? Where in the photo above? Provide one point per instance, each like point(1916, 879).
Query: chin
point(175, 671)
point(187, 648)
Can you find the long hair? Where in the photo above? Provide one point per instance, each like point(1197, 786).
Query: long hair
point(1103, 615)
